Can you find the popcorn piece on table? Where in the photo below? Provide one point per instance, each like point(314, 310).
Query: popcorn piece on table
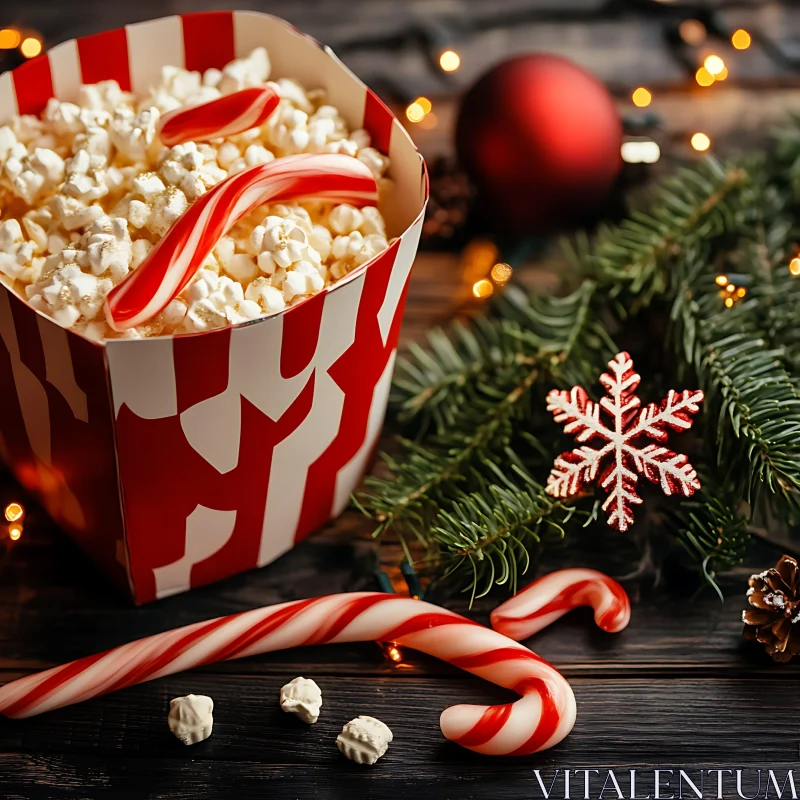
point(364, 740)
point(303, 698)
point(191, 718)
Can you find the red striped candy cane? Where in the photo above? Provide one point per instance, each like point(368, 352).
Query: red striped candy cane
point(172, 263)
point(551, 596)
point(225, 116)
point(542, 717)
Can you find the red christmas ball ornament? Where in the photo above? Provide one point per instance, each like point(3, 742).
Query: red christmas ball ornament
point(541, 139)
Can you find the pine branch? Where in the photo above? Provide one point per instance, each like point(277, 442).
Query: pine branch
point(712, 531)
point(489, 535)
point(753, 402)
point(633, 259)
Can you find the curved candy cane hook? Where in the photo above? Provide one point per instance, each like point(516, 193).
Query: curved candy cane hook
point(550, 597)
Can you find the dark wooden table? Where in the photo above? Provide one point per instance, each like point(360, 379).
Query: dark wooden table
point(678, 689)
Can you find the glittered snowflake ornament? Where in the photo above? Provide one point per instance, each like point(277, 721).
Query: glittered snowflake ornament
point(621, 453)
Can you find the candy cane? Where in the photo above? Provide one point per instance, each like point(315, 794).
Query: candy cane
point(171, 264)
point(551, 596)
point(540, 719)
point(225, 116)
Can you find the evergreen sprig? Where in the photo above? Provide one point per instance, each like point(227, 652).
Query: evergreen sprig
point(464, 477)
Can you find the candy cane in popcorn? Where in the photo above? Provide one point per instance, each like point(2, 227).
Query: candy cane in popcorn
point(225, 116)
point(540, 719)
point(172, 263)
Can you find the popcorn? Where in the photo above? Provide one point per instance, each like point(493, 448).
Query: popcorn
point(34, 175)
point(345, 219)
point(303, 698)
point(68, 294)
point(269, 299)
point(191, 718)
point(132, 134)
point(364, 740)
point(88, 190)
point(109, 248)
point(281, 242)
point(85, 177)
point(244, 72)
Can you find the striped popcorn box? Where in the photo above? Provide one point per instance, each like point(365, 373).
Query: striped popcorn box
point(176, 461)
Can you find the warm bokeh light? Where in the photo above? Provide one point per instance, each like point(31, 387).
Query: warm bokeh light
point(449, 61)
point(501, 273)
point(393, 651)
point(429, 121)
point(794, 266)
point(741, 39)
point(482, 288)
point(14, 531)
point(415, 112)
point(693, 32)
point(741, 291)
point(701, 142)
point(9, 39)
point(424, 104)
point(642, 97)
point(640, 151)
point(722, 75)
point(728, 302)
point(14, 512)
point(722, 280)
point(30, 47)
point(731, 287)
point(704, 77)
point(714, 64)
point(477, 258)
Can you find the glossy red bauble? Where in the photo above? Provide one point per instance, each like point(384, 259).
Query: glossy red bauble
point(541, 139)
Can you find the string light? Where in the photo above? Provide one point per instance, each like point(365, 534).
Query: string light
point(394, 654)
point(9, 39)
point(415, 112)
point(14, 531)
point(477, 259)
point(693, 32)
point(14, 512)
point(730, 293)
point(704, 77)
point(640, 151)
point(30, 47)
point(701, 142)
point(642, 97)
point(741, 39)
point(482, 289)
point(424, 104)
point(449, 61)
point(794, 266)
point(714, 64)
point(501, 273)
point(722, 75)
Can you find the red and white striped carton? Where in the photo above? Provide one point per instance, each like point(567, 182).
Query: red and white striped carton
point(178, 461)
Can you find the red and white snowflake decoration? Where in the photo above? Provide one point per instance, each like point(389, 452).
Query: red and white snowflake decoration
point(622, 454)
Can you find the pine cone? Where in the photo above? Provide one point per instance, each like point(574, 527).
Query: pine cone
point(774, 619)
